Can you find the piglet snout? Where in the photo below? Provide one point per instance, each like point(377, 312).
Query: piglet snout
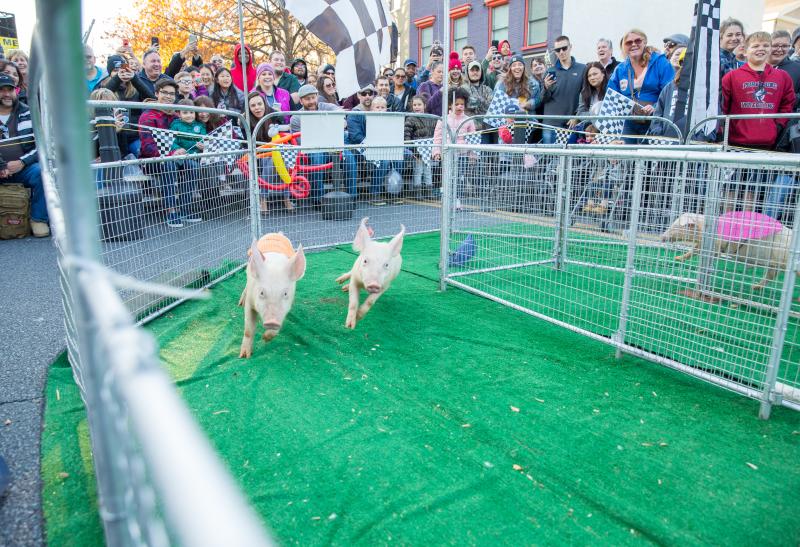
point(272, 325)
point(373, 288)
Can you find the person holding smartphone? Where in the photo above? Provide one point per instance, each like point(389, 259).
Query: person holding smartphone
point(562, 87)
point(493, 65)
point(434, 58)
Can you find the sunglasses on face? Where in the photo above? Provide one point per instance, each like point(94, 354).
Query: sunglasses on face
point(184, 82)
point(167, 93)
point(669, 44)
point(635, 42)
point(497, 57)
point(365, 93)
point(560, 49)
point(396, 75)
point(389, 74)
point(329, 84)
point(780, 46)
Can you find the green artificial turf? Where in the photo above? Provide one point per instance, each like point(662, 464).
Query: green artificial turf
point(447, 418)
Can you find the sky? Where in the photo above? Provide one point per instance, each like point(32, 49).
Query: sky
point(103, 11)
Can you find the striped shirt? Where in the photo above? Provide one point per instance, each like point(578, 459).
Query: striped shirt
point(17, 137)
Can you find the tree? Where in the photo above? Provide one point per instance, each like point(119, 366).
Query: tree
point(267, 26)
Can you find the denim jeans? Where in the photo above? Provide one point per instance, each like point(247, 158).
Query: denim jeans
point(777, 194)
point(172, 176)
point(316, 178)
point(548, 136)
point(631, 127)
point(31, 177)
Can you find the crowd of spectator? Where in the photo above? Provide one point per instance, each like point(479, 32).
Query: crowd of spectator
point(759, 74)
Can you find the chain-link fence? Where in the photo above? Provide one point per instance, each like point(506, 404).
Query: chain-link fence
point(685, 258)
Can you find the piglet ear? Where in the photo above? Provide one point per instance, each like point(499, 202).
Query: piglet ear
point(297, 264)
point(396, 244)
point(256, 258)
point(362, 236)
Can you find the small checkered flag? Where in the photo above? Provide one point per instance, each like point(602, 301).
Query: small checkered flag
point(424, 149)
point(614, 104)
point(360, 32)
point(500, 106)
point(220, 140)
point(164, 139)
point(289, 155)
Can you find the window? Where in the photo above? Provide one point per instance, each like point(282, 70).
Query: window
point(499, 18)
point(537, 22)
point(425, 44)
point(460, 37)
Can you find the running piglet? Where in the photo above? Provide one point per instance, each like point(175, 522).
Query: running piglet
point(374, 270)
point(272, 273)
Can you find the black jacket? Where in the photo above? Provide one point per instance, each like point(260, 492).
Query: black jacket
point(19, 145)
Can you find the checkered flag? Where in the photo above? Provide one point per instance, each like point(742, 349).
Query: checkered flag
point(562, 135)
point(220, 140)
point(289, 155)
point(360, 32)
point(500, 106)
point(424, 149)
point(164, 139)
point(472, 138)
point(614, 104)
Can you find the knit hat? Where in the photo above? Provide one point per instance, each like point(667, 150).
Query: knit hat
point(516, 58)
point(327, 68)
point(262, 67)
point(455, 62)
point(114, 62)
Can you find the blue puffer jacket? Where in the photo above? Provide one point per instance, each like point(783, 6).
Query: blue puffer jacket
point(659, 74)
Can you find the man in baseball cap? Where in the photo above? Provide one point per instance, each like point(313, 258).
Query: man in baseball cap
point(411, 72)
point(19, 162)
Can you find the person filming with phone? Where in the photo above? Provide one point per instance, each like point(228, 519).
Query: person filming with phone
point(151, 62)
point(562, 88)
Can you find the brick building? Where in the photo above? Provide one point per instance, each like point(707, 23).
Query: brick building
point(529, 25)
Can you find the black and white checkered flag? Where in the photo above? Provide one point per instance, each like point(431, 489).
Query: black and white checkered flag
point(701, 66)
point(500, 106)
point(360, 32)
point(289, 155)
point(164, 139)
point(614, 104)
point(221, 140)
point(562, 135)
point(424, 149)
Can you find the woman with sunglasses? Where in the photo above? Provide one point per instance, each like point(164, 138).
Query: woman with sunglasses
point(401, 91)
point(326, 86)
point(641, 77)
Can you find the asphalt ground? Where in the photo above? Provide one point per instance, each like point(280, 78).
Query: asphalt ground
point(31, 336)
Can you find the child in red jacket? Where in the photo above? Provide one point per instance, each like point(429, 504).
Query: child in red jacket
point(758, 88)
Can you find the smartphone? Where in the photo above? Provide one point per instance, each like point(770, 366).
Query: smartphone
point(154, 41)
point(552, 74)
point(495, 43)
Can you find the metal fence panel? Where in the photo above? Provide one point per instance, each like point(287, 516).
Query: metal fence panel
point(685, 259)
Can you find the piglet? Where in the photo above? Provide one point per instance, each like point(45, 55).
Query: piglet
point(272, 272)
point(374, 270)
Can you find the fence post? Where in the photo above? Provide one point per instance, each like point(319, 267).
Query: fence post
point(252, 177)
point(562, 210)
point(58, 39)
point(711, 213)
point(769, 396)
point(633, 228)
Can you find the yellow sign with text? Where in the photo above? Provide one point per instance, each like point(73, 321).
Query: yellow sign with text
point(9, 43)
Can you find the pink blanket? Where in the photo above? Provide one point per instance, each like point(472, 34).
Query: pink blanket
point(739, 225)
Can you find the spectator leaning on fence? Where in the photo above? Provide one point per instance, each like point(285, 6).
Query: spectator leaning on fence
point(562, 87)
point(19, 161)
point(758, 88)
point(383, 89)
point(605, 56)
point(179, 208)
point(641, 77)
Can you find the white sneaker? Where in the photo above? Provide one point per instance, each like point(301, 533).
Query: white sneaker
point(40, 229)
